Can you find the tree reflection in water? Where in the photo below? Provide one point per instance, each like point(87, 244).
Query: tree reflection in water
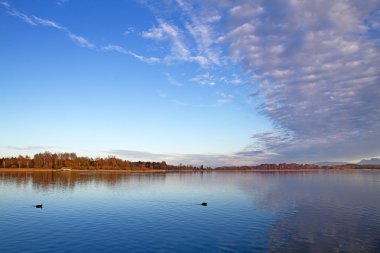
point(62, 179)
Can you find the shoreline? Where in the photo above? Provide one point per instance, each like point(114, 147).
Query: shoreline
point(170, 171)
point(78, 170)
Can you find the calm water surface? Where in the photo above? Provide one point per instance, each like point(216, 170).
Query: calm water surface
point(325, 211)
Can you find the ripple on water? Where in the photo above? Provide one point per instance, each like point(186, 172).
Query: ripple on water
point(247, 212)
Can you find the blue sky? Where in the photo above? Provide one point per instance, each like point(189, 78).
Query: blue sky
point(193, 82)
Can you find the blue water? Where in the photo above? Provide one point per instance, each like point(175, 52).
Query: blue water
point(326, 211)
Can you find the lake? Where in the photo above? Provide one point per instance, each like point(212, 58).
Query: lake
point(321, 211)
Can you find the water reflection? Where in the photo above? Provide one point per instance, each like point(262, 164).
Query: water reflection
point(321, 211)
point(51, 179)
point(325, 211)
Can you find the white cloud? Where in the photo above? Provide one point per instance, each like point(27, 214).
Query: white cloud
point(28, 148)
point(315, 63)
point(319, 73)
point(143, 58)
point(80, 41)
point(77, 39)
point(245, 10)
point(178, 49)
point(224, 98)
point(122, 50)
point(204, 79)
point(194, 42)
point(203, 33)
point(172, 80)
point(235, 79)
point(62, 2)
point(211, 79)
point(5, 4)
point(34, 20)
point(153, 33)
point(129, 30)
point(18, 14)
point(213, 18)
point(115, 48)
point(50, 23)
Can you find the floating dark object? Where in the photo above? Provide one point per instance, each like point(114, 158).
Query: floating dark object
point(39, 206)
point(204, 204)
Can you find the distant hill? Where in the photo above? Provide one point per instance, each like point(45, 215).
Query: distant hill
point(370, 161)
point(330, 163)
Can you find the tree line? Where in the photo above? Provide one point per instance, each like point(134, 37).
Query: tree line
point(71, 160)
point(50, 160)
point(297, 166)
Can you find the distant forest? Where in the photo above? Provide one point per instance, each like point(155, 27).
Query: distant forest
point(49, 160)
point(71, 160)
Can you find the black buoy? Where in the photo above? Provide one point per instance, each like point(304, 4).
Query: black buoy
point(204, 204)
point(39, 206)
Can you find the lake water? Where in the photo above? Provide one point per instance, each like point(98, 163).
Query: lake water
point(324, 211)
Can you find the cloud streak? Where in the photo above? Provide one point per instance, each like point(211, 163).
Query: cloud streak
point(77, 39)
point(28, 148)
point(194, 42)
point(172, 80)
point(62, 2)
point(35, 21)
point(122, 50)
point(179, 51)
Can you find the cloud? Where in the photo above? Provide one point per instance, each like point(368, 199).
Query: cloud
point(49, 23)
point(202, 33)
point(143, 58)
point(235, 79)
point(129, 30)
point(35, 21)
point(80, 41)
point(28, 148)
point(143, 156)
point(5, 4)
point(172, 80)
point(212, 78)
point(319, 73)
point(62, 2)
point(18, 14)
point(315, 64)
point(204, 79)
point(115, 48)
point(122, 50)
point(172, 33)
point(212, 160)
point(77, 39)
point(153, 33)
point(224, 98)
point(192, 43)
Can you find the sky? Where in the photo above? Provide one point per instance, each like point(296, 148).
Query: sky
point(211, 82)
